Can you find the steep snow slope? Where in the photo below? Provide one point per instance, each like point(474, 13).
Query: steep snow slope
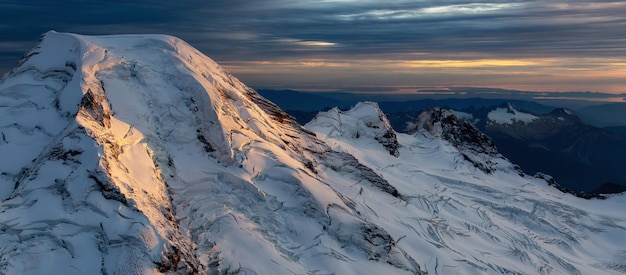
point(136, 154)
point(455, 218)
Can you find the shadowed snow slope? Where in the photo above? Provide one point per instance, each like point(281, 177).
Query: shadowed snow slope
point(136, 154)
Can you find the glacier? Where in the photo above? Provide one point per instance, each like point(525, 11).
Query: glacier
point(510, 115)
point(137, 154)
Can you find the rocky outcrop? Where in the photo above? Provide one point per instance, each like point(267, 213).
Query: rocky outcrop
point(473, 145)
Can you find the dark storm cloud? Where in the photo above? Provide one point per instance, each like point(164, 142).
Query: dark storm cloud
point(275, 30)
point(22, 22)
point(513, 28)
point(249, 29)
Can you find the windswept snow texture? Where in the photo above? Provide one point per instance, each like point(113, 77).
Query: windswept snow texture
point(455, 218)
point(363, 120)
point(136, 154)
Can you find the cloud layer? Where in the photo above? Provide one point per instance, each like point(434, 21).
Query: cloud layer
point(542, 45)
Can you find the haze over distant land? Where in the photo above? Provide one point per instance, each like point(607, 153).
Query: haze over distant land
point(137, 154)
point(363, 46)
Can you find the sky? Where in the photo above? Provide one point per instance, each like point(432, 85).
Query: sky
point(362, 46)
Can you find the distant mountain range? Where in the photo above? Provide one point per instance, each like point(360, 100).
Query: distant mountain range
point(605, 115)
point(581, 157)
point(137, 154)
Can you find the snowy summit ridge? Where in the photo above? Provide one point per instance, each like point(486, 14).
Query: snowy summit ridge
point(137, 154)
point(365, 119)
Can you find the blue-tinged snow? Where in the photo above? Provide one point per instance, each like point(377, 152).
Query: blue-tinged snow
point(136, 154)
point(157, 160)
point(456, 219)
point(509, 116)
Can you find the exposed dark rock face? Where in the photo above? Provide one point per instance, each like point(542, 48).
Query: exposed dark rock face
point(579, 156)
point(378, 126)
point(474, 146)
point(389, 141)
point(550, 181)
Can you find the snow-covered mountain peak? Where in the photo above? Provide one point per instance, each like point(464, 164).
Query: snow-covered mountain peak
point(508, 114)
point(157, 160)
point(363, 121)
point(444, 123)
point(475, 146)
point(172, 73)
point(136, 154)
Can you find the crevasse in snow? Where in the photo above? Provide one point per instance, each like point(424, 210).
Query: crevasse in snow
point(137, 154)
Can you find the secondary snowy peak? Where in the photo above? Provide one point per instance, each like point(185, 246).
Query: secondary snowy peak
point(474, 146)
point(365, 120)
point(464, 220)
point(444, 123)
point(507, 114)
point(526, 126)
